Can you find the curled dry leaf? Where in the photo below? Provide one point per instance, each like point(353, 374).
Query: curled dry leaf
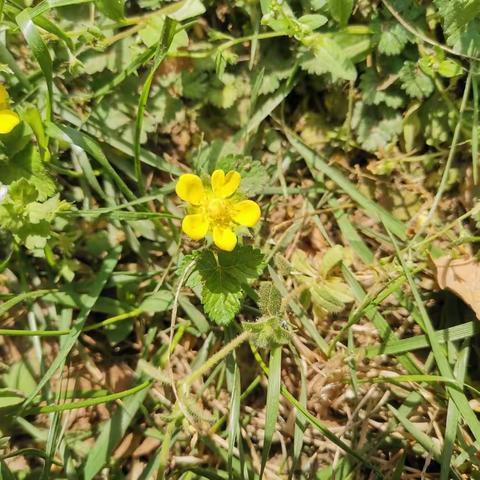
point(462, 277)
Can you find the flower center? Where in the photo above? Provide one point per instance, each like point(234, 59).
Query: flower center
point(218, 211)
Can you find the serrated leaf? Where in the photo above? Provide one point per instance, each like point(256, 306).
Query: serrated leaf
point(226, 271)
point(461, 25)
point(326, 56)
point(393, 38)
point(221, 307)
point(414, 81)
point(268, 332)
point(375, 128)
point(223, 274)
point(269, 299)
point(27, 164)
point(373, 94)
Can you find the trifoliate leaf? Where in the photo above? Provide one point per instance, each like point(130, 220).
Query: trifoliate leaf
point(414, 81)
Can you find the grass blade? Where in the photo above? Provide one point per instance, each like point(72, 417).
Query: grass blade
point(273, 403)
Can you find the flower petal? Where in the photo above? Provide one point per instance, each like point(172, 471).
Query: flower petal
point(195, 226)
point(217, 180)
point(224, 238)
point(8, 121)
point(224, 186)
point(190, 188)
point(246, 212)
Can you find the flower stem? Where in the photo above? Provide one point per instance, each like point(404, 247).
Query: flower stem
point(214, 359)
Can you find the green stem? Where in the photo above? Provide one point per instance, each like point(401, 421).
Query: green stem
point(91, 401)
point(10, 332)
point(451, 156)
point(165, 448)
point(117, 318)
point(58, 333)
point(214, 359)
point(229, 44)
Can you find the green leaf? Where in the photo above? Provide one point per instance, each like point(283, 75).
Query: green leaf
point(221, 307)
point(88, 301)
point(223, 275)
point(340, 10)
point(461, 24)
point(313, 21)
point(10, 399)
point(160, 301)
point(114, 9)
point(375, 128)
point(414, 81)
point(167, 35)
point(28, 165)
point(40, 51)
point(331, 259)
point(226, 271)
point(326, 56)
point(375, 94)
point(269, 299)
point(188, 9)
point(268, 332)
point(393, 38)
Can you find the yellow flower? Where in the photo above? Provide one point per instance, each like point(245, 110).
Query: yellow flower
point(8, 118)
point(215, 208)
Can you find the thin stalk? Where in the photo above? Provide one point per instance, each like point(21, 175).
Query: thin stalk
point(451, 156)
point(475, 130)
point(57, 333)
point(91, 401)
point(214, 359)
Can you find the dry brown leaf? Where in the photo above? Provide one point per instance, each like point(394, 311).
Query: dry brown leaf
point(462, 277)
